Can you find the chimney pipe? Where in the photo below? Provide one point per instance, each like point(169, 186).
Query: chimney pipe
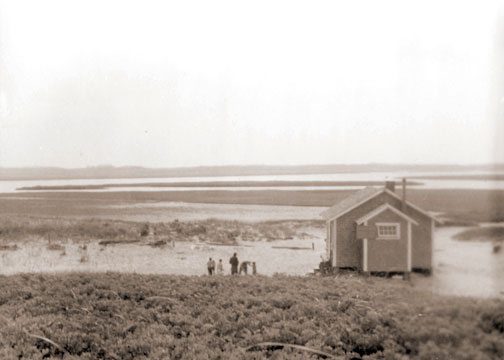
point(403, 205)
point(390, 185)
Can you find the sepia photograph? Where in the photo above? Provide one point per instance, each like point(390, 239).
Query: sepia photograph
point(231, 179)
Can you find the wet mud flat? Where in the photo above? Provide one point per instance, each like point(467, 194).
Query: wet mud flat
point(183, 258)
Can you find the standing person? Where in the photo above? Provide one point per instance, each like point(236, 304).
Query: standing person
point(211, 266)
point(234, 264)
point(220, 268)
point(254, 268)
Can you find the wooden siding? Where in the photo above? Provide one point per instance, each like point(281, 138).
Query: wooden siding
point(422, 243)
point(366, 231)
point(349, 249)
point(388, 255)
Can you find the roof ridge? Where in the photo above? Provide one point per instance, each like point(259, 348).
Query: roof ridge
point(361, 196)
point(352, 200)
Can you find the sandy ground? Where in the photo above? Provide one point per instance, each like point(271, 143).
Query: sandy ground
point(184, 258)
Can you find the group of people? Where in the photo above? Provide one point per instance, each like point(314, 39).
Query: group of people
point(234, 266)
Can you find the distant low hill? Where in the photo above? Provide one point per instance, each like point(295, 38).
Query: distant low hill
point(123, 172)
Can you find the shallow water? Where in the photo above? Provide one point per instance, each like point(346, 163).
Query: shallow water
point(464, 268)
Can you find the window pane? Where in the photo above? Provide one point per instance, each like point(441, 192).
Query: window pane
point(388, 230)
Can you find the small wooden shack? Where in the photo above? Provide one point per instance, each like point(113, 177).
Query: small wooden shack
point(376, 230)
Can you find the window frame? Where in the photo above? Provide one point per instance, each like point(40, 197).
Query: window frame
point(397, 236)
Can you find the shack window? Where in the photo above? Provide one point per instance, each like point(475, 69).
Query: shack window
point(389, 231)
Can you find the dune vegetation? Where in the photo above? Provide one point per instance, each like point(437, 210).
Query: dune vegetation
point(129, 316)
point(15, 229)
point(486, 233)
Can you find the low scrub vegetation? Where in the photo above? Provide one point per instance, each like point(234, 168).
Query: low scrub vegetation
point(18, 228)
point(490, 233)
point(118, 316)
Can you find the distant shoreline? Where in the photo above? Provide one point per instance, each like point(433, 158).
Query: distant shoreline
point(138, 172)
point(481, 177)
point(213, 184)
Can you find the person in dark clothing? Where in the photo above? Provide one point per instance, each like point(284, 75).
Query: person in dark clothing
point(211, 266)
point(234, 264)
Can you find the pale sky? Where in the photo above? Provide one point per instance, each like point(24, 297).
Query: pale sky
point(187, 83)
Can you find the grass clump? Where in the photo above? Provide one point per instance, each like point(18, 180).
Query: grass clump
point(55, 247)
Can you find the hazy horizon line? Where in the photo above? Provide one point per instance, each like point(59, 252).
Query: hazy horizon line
point(252, 165)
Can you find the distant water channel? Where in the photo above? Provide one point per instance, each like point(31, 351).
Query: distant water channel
point(12, 186)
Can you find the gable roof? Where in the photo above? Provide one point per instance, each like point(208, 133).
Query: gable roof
point(413, 206)
point(381, 209)
point(350, 202)
point(360, 197)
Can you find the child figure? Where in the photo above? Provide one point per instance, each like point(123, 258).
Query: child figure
point(220, 268)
